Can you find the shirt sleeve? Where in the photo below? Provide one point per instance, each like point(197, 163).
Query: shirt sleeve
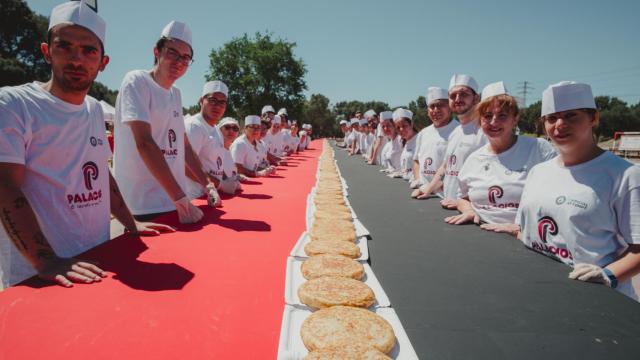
point(134, 100)
point(238, 153)
point(14, 136)
point(627, 207)
point(194, 134)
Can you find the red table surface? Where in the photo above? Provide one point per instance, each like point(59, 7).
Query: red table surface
point(210, 290)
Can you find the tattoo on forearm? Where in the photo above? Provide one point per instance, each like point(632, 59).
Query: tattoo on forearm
point(12, 230)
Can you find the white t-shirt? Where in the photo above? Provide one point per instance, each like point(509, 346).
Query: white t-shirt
point(287, 141)
point(307, 141)
point(383, 142)
point(464, 140)
point(142, 99)
point(354, 137)
point(430, 148)
point(494, 182)
point(274, 142)
point(406, 158)
point(587, 213)
point(391, 153)
point(362, 142)
point(245, 154)
point(64, 150)
point(207, 143)
point(263, 151)
point(303, 139)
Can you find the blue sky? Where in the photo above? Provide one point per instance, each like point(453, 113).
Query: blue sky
point(393, 50)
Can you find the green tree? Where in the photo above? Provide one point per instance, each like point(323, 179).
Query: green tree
point(344, 109)
point(530, 119)
point(615, 115)
point(259, 70)
point(419, 109)
point(317, 113)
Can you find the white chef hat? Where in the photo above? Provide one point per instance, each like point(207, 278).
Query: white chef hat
point(567, 95)
point(227, 121)
point(78, 13)
point(214, 87)
point(252, 120)
point(436, 93)
point(344, 122)
point(386, 115)
point(400, 113)
point(267, 108)
point(306, 126)
point(293, 122)
point(283, 111)
point(369, 113)
point(464, 80)
point(177, 30)
point(494, 89)
point(354, 121)
point(276, 120)
point(364, 122)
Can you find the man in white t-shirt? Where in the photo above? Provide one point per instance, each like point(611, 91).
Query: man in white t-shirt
point(465, 139)
point(246, 151)
point(432, 141)
point(205, 137)
point(152, 152)
point(274, 139)
point(57, 191)
point(353, 141)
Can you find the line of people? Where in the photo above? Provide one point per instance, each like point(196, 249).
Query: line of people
point(568, 199)
point(57, 190)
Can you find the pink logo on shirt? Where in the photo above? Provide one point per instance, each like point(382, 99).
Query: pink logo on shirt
point(452, 160)
point(89, 172)
point(495, 192)
point(547, 226)
point(219, 162)
point(172, 138)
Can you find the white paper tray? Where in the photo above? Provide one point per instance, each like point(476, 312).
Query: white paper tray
point(298, 248)
point(294, 279)
point(291, 346)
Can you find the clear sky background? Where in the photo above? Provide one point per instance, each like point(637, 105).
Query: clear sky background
point(393, 50)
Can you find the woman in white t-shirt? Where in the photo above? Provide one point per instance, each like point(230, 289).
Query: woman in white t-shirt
point(402, 121)
point(582, 207)
point(229, 179)
point(245, 150)
point(492, 178)
point(390, 153)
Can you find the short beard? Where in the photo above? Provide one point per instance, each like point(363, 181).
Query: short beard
point(69, 85)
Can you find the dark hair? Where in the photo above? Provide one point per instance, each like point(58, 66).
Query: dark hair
point(50, 35)
point(160, 44)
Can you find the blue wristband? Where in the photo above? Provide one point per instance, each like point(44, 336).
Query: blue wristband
point(612, 278)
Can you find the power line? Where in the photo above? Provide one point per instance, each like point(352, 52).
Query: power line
point(523, 89)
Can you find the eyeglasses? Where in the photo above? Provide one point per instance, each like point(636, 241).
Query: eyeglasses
point(174, 55)
point(215, 101)
point(231, 128)
point(462, 94)
point(499, 117)
point(253, 127)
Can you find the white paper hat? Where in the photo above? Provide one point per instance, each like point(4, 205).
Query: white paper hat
point(283, 111)
point(214, 87)
point(464, 80)
point(276, 120)
point(494, 89)
point(266, 109)
point(354, 121)
point(386, 115)
point(344, 122)
point(567, 95)
point(293, 122)
point(306, 126)
point(364, 122)
point(227, 121)
point(369, 113)
point(252, 120)
point(402, 113)
point(78, 13)
point(436, 93)
point(177, 30)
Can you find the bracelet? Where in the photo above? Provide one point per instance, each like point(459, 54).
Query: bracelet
point(612, 277)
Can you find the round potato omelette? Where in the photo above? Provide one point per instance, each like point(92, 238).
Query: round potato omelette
point(331, 265)
point(327, 291)
point(344, 248)
point(341, 326)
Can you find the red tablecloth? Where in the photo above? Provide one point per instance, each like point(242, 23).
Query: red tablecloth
point(212, 290)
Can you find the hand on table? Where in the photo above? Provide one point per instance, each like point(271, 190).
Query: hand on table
point(511, 229)
point(66, 271)
point(415, 184)
point(590, 273)
point(463, 218)
point(187, 212)
point(423, 192)
point(150, 229)
point(449, 204)
point(213, 198)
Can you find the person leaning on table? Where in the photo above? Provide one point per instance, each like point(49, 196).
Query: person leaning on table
point(57, 191)
point(392, 150)
point(492, 178)
point(229, 179)
point(403, 121)
point(152, 152)
point(582, 207)
point(244, 149)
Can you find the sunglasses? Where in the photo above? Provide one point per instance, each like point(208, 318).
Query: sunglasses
point(214, 101)
point(231, 128)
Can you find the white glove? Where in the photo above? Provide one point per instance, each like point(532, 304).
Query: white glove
point(262, 173)
point(187, 212)
point(242, 178)
point(213, 198)
point(395, 175)
point(590, 273)
point(229, 186)
point(415, 184)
